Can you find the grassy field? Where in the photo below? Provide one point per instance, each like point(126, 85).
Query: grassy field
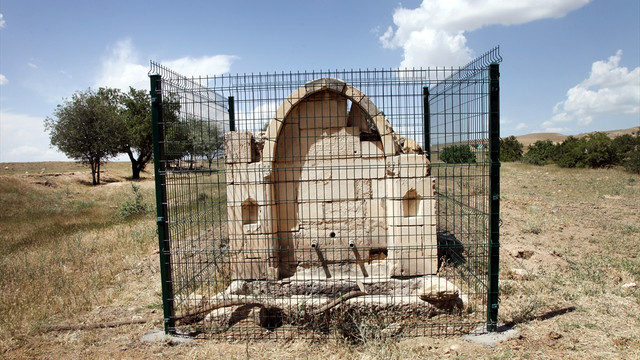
point(569, 256)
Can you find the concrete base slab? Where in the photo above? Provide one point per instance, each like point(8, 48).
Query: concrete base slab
point(158, 335)
point(490, 339)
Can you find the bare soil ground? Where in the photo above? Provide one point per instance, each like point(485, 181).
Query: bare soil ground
point(570, 245)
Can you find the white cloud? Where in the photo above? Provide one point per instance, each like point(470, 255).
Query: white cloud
point(609, 90)
point(22, 138)
point(254, 120)
point(433, 34)
point(504, 120)
point(2, 22)
point(521, 126)
point(202, 66)
point(32, 65)
point(122, 68)
point(3, 80)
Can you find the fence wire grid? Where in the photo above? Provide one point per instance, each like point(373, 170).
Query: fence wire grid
point(354, 204)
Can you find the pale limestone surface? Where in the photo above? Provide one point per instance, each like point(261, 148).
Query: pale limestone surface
point(328, 183)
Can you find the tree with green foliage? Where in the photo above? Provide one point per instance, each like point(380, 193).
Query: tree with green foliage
point(87, 128)
point(138, 133)
point(458, 154)
point(599, 151)
point(570, 153)
point(539, 153)
point(207, 140)
point(627, 149)
point(510, 149)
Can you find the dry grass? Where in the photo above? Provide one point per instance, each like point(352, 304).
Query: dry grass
point(570, 241)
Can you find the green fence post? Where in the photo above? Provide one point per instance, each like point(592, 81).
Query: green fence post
point(161, 201)
point(232, 114)
point(427, 121)
point(494, 203)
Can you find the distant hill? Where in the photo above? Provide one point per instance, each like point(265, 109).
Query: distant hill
point(529, 139)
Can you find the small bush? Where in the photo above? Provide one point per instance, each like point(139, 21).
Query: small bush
point(571, 153)
point(599, 151)
point(458, 154)
point(632, 162)
point(540, 153)
point(134, 205)
point(510, 149)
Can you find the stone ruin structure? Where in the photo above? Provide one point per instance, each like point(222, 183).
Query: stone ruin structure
point(329, 191)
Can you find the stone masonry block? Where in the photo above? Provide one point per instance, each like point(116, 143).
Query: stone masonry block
point(320, 111)
point(252, 269)
point(354, 94)
point(239, 193)
point(311, 212)
point(241, 173)
point(354, 169)
point(375, 211)
point(332, 190)
point(358, 119)
point(382, 124)
point(419, 237)
point(333, 84)
point(330, 143)
point(316, 170)
point(265, 224)
point(390, 145)
point(341, 210)
point(397, 188)
point(371, 149)
point(413, 251)
point(422, 212)
point(238, 147)
point(404, 264)
point(288, 172)
point(368, 106)
point(274, 128)
point(413, 165)
point(363, 189)
point(378, 190)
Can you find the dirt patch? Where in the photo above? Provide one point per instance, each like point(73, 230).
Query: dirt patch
point(569, 249)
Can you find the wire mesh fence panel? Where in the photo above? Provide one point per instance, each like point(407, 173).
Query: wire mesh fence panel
point(350, 204)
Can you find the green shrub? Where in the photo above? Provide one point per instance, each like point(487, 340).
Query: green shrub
point(134, 205)
point(627, 150)
point(599, 151)
point(570, 153)
point(624, 144)
point(632, 162)
point(540, 153)
point(458, 154)
point(510, 149)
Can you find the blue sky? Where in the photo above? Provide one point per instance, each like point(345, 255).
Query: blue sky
point(570, 66)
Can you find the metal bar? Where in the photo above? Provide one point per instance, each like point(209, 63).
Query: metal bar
point(161, 200)
point(232, 114)
point(427, 121)
point(494, 201)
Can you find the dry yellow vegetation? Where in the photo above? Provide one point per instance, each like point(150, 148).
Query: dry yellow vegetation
point(570, 245)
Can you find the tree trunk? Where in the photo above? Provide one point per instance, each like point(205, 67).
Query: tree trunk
point(137, 165)
point(135, 171)
point(93, 171)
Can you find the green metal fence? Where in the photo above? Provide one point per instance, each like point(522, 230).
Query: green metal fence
point(329, 204)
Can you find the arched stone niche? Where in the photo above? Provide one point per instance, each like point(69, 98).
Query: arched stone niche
point(332, 187)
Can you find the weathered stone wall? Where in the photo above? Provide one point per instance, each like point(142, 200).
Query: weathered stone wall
point(332, 180)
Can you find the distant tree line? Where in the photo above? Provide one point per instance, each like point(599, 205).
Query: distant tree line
point(94, 126)
point(596, 150)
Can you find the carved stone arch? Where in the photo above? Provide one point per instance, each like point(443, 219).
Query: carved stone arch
point(357, 98)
